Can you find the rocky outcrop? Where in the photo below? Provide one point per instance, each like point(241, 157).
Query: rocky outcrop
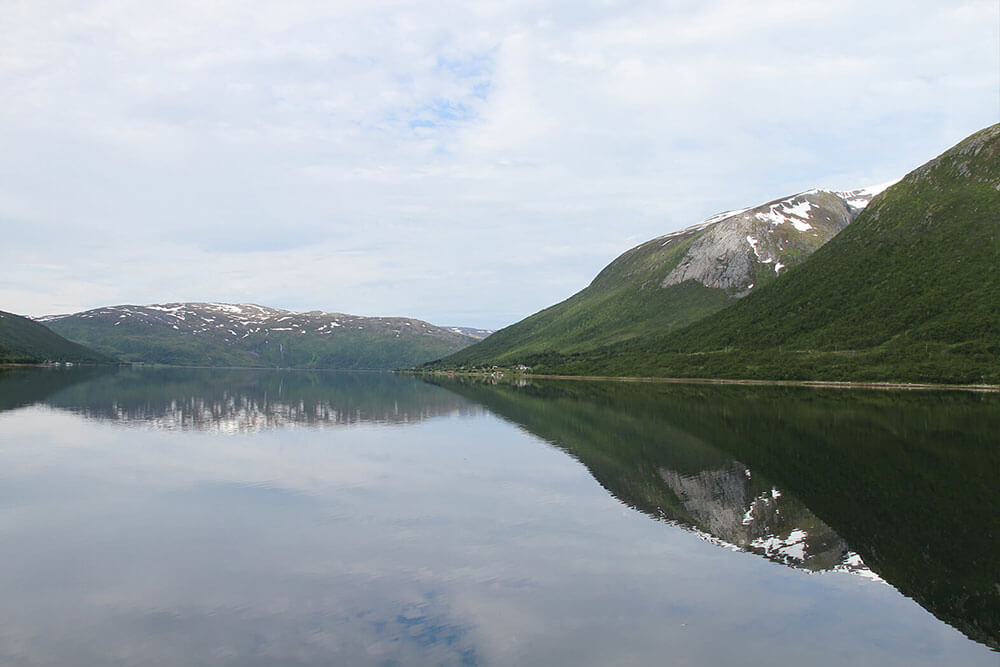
point(735, 251)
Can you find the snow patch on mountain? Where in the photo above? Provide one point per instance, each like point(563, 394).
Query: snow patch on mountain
point(718, 217)
point(860, 198)
point(794, 211)
point(472, 331)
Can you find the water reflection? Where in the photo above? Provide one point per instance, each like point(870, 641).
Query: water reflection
point(262, 517)
point(894, 483)
point(229, 400)
point(670, 474)
point(729, 507)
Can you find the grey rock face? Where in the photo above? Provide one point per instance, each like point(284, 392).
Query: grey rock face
point(728, 251)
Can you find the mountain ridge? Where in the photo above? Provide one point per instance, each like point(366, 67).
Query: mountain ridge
point(908, 292)
point(225, 334)
point(676, 279)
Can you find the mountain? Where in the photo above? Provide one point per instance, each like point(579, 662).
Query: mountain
point(677, 279)
point(25, 341)
point(220, 334)
point(910, 291)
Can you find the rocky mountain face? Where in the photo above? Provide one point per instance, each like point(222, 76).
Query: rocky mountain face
point(733, 251)
point(679, 278)
point(251, 335)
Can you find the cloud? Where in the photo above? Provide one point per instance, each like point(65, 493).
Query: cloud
point(454, 142)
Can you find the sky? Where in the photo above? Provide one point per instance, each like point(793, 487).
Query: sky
point(466, 163)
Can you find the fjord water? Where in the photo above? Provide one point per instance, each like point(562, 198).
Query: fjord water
point(185, 516)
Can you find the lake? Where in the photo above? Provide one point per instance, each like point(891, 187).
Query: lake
point(246, 517)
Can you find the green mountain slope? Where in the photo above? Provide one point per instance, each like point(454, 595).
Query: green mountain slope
point(910, 292)
point(677, 279)
point(212, 334)
point(28, 342)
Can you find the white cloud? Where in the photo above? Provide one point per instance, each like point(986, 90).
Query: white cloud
point(441, 161)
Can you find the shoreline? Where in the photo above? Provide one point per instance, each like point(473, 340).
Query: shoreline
point(816, 384)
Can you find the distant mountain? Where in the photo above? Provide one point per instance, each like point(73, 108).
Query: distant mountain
point(25, 341)
point(220, 334)
point(910, 291)
point(677, 279)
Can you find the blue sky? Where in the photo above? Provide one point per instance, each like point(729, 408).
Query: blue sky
point(464, 163)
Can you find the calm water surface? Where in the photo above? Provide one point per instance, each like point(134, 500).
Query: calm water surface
point(224, 517)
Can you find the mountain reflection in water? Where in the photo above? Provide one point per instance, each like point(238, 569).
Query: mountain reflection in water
point(234, 401)
point(893, 485)
point(394, 527)
point(727, 506)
